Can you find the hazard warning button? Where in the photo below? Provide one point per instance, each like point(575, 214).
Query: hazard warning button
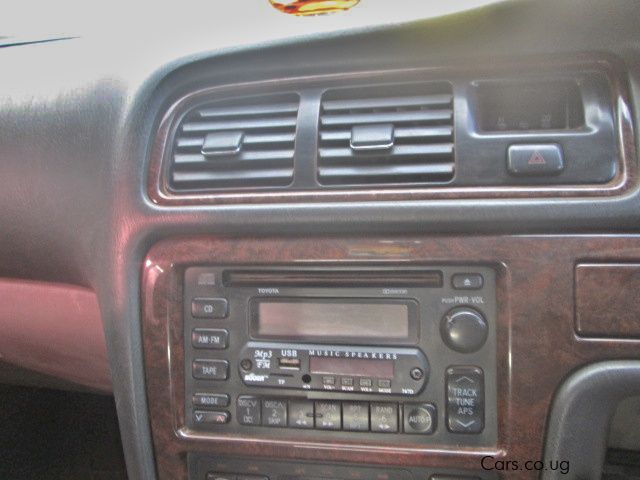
point(543, 159)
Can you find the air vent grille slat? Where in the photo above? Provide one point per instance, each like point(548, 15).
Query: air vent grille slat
point(258, 156)
point(251, 110)
point(389, 102)
point(408, 133)
point(397, 170)
point(262, 132)
point(222, 178)
point(258, 123)
point(384, 117)
point(420, 149)
point(399, 152)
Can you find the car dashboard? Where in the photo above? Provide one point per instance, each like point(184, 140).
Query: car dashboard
point(344, 246)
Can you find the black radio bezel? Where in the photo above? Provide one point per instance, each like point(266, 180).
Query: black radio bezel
point(433, 302)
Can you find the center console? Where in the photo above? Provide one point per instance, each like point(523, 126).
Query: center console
point(408, 357)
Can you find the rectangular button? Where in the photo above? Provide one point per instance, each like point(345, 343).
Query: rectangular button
point(384, 417)
point(355, 416)
point(210, 400)
point(328, 415)
point(366, 382)
point(274, 412)
point(347, 381)
point(465, 399)
point(202, 417)
point(328, 380)
point(384, 383)
point(209, 307)
point(467, 281)
point(251, 477)
point(301, 414)
point(249, 411)
point(212, 338)
point(210, 369)
point(529, 160)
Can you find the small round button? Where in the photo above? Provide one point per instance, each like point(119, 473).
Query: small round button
point(419, 418)
point(464, 329)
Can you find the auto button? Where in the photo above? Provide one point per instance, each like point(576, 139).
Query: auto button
point(420, 418)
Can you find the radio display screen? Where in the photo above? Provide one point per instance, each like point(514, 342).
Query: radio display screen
point(318, 319)
point(357, 367)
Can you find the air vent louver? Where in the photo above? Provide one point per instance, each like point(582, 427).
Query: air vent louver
point(391, 134)
point(236, 143)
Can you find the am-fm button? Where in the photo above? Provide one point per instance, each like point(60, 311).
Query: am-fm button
point(212, 338)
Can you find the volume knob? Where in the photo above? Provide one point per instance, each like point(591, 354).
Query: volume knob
point(464, 330)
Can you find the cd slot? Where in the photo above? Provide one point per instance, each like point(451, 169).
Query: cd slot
point(333, 278)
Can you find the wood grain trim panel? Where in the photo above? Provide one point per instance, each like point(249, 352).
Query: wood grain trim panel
point(537, 344)
point(624, 180)
point(608, 300)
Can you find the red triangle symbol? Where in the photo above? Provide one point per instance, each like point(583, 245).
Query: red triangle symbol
point(537, 159)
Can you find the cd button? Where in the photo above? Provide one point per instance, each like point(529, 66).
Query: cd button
point(355, 416)
point(328, 415)
point(300, 414)
point(274, 413)
point(209, 307)
point(384, 417)
point(249, 410)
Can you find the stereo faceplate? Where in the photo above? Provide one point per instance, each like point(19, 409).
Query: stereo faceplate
point(369, 367)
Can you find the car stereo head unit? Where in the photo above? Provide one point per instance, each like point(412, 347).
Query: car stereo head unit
point(379, 349)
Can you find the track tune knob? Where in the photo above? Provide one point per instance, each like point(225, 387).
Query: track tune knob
point(464, 329)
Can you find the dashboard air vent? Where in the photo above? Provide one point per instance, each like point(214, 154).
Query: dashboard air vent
point(390, 134)
point(236, 143)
